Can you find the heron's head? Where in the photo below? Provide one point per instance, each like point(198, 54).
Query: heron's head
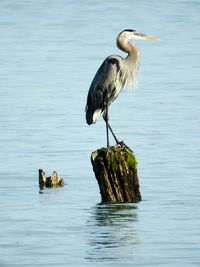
point(133, 34)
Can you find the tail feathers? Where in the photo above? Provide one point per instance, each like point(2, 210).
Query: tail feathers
point(91, 117)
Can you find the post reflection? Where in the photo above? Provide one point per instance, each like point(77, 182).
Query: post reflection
point(113, 232)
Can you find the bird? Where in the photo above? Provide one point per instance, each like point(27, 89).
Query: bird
point(114, 73)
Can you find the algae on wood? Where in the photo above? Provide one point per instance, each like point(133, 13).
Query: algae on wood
point(115, 169)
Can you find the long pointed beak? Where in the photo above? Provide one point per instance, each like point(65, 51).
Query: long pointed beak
point(150, 38)
point(141, 36)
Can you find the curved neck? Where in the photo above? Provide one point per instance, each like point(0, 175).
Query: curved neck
point(128, 47)
point(131, 62)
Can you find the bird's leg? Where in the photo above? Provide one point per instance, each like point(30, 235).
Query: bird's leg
point(105, 116)
point(111, 130)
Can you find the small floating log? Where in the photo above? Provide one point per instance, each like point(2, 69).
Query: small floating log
point(115, 169)
point(49, 181)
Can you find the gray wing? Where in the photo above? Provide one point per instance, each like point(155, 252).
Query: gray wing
point(106, 85)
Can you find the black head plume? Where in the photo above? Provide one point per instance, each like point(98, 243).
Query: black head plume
point(129, 30)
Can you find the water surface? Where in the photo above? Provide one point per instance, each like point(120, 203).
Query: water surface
point(49, 53)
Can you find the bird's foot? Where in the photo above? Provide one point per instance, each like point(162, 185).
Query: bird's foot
point(120, 142)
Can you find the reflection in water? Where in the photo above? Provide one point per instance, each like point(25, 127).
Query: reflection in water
point(112, 232)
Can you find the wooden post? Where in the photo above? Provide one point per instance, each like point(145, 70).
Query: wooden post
point(115, 169)
point(49, 181)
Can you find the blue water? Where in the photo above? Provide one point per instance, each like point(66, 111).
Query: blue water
point(49, 53)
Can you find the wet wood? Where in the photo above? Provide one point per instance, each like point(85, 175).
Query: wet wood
point(49, 181)
point(115, 169)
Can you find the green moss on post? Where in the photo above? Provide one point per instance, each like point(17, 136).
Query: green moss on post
point(115, 169)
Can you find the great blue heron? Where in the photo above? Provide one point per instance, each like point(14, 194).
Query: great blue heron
point(112, 76)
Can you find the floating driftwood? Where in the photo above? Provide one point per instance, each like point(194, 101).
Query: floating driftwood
point(115, 169)
point(49, 181)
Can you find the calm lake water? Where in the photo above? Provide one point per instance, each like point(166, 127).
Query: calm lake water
point(49, 53)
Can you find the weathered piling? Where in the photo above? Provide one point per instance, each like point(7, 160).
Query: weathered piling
point(49, 181)
point(115, 169)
